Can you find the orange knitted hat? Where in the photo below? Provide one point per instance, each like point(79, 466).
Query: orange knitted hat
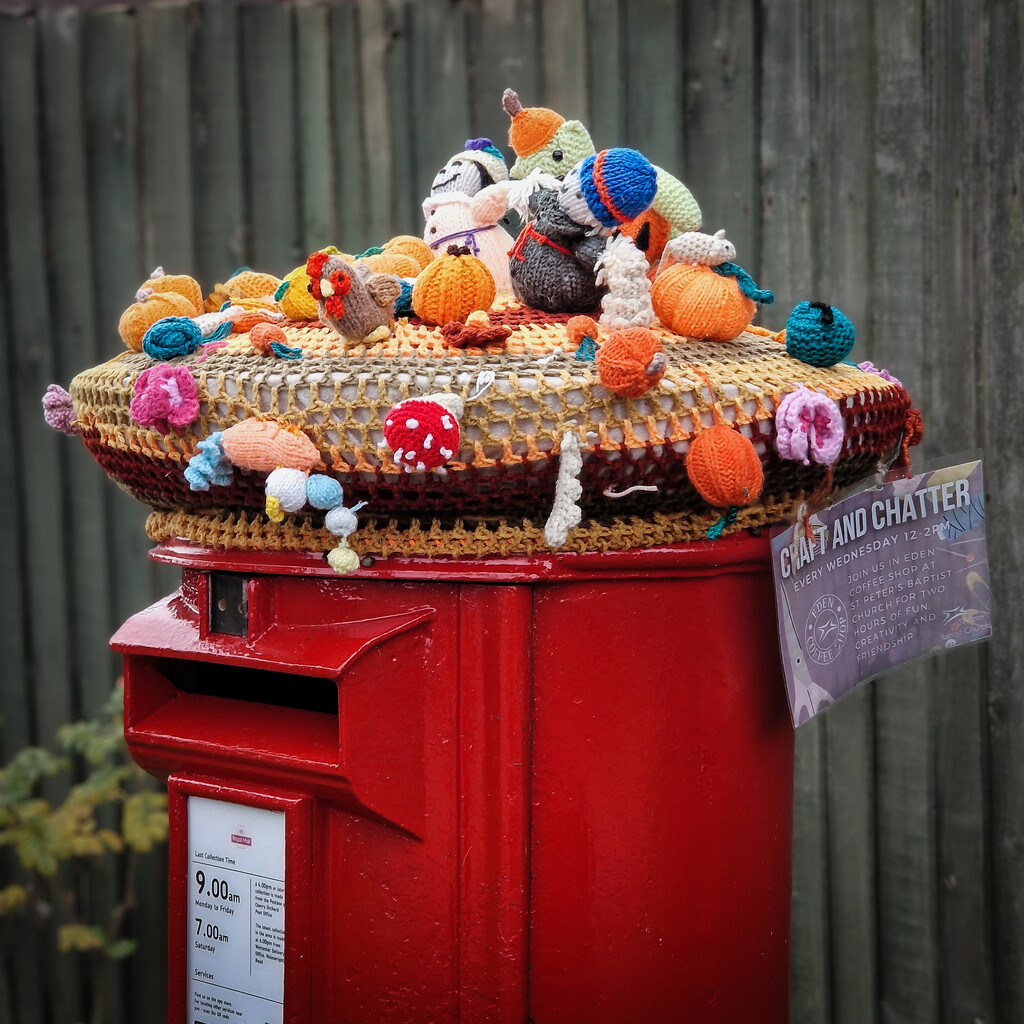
point(531, 127)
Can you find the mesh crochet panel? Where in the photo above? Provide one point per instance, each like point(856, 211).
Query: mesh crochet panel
point(499, 487)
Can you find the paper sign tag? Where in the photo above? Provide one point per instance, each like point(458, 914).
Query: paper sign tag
point(235, 913)
point(880, 578)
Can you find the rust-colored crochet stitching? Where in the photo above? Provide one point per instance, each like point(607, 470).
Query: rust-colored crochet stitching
point(503, 479)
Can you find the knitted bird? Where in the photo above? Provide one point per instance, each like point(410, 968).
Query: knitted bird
point(541, 138)
point(351, 298)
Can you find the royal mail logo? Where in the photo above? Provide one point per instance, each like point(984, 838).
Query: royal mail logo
point(241, 838)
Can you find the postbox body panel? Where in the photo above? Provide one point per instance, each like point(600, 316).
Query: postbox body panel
point(547, 789)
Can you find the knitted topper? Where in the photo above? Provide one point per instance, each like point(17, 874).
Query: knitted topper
point(543, 139)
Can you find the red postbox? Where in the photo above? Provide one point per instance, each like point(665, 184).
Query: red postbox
point(552, 788)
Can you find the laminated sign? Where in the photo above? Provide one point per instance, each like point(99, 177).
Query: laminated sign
point(880, 578)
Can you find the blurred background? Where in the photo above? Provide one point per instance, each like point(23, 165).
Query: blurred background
point(869, 154)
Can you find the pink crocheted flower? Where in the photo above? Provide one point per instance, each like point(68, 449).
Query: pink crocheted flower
point(809, 425)
point(165, 397)
point(58, 410)
point(869, 367)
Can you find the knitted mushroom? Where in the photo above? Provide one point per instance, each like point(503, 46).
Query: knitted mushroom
point(423, 433)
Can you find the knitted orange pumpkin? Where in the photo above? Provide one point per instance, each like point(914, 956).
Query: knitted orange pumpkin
point(724, 467)
point(180, 283)
point(452, 286)
point(150, 307)
point(415, 248)
point(631, 361)
point(698, 303)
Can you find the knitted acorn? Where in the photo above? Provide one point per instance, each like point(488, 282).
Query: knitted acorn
point(452, 287)
point(631, 362)
point(724, 468)
point(543, 139)
point(423, 433)
point(181, 284)
point(818, 334)
point(149, 307)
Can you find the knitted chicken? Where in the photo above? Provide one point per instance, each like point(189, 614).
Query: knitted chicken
point(351, 298)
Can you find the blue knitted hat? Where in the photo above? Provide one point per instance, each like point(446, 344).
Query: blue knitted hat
point(618, 185)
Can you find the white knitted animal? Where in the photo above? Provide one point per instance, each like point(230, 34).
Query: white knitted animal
point(455, 219)
point(622, 269)
point(694, 247)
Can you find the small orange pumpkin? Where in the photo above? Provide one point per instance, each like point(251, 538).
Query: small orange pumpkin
point(631, 361)
point(397, 263)
point(724, 467)
point(452, 287)
point(696, 302)
point(180, 283)
point(150, 307)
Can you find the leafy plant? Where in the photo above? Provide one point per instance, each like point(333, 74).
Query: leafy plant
point(114, 810)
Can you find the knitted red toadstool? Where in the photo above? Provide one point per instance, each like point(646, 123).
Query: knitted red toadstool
point(423, 433)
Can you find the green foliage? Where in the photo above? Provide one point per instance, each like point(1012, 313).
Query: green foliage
point(65, 809)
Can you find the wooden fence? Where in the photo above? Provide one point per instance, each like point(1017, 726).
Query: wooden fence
point(871, 153)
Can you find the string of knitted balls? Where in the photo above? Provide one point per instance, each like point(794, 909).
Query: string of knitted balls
point(819, 334)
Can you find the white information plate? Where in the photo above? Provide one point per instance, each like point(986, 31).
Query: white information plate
point(235, 913)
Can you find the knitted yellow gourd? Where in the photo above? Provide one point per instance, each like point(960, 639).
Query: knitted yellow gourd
point(696, 302)
point(296, 303)
point(454, 285)
point(724, 468)
point(180, 283)
point(150, 307)
point(415, 248)
point(397, 263)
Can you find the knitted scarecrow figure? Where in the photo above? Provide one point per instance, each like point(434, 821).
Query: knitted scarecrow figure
point(552, 265)
point(543, 139)
point(480, 164)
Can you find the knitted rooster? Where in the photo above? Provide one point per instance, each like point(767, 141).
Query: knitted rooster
point(351, 298)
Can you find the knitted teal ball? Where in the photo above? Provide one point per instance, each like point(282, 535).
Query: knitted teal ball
point(818, 334)
point(173, 336)
point(618, 185)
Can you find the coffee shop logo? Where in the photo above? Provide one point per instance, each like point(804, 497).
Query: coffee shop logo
point(827, 628)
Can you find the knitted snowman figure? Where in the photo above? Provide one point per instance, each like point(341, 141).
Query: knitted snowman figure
point(480, 164)
point(552, 265)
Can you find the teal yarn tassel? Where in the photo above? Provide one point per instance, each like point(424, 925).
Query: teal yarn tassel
point(747, 286)
point(727, 520)
point(587, 352)
point(222, 331)
point(281, 289)
point(374, 250)
point(285, 352)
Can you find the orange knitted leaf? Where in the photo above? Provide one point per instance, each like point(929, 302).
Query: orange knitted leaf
point(698, 303)
point(724, 467)
point(266, 445)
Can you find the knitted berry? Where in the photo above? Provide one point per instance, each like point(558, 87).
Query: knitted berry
point(724, 467)
point(818, 334)
point(631, 362)
point(423, 433)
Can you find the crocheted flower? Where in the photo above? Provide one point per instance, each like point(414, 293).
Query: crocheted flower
point(58, 411)
point(869, 367)
point(209, 465)
point(809, 425)
point(165, 397)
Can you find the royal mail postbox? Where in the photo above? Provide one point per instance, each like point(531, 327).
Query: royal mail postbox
point(552, 788)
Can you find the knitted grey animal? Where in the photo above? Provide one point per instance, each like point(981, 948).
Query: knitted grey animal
point(351, 298)
point(552, 262)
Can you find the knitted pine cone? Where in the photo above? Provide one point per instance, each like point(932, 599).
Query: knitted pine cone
point(499, 488)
